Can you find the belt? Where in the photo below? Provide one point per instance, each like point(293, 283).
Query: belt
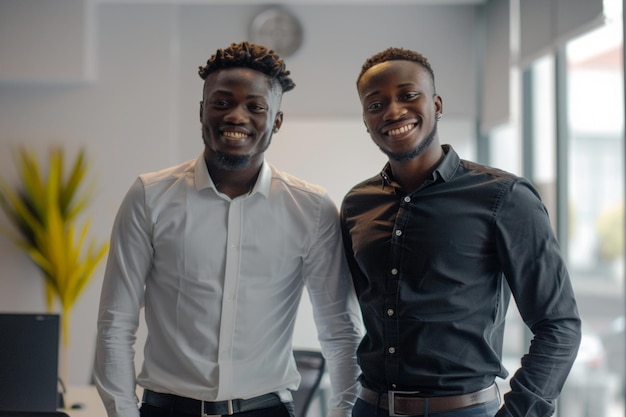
point(208, 408)
point(403, 403)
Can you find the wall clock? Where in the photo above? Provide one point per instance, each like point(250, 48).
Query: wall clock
point(278, 29)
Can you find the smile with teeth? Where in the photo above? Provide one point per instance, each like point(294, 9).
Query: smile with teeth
point(400, 130)
point(234, 135)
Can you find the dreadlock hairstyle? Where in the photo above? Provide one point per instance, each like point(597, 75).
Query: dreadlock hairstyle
point(249, 55)
point(391, 54)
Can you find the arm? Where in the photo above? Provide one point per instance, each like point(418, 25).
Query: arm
point(120, 303)
point(540, 283)
point(335, 310)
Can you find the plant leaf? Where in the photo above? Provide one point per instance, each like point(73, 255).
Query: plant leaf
point(43, 208)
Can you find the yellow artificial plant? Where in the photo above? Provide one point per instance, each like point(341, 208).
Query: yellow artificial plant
point(44, 208)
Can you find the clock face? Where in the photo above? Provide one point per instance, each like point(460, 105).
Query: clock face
point(276, 28)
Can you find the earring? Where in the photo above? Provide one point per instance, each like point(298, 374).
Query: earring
point(275, 130)
point(438, 116)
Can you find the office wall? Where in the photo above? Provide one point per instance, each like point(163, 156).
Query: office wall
point(133, 104)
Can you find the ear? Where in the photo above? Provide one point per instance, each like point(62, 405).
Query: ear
point(201, 108)
point(278, 122)
point(366, 128)
point(438, 104)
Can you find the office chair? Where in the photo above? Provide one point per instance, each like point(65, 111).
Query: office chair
point(33, 414)
point(312, 366)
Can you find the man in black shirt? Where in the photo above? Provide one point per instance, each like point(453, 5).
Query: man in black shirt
point(436, 246)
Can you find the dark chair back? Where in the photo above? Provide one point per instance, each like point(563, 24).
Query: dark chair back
point(311, 365)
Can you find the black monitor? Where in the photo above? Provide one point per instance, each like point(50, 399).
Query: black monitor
point(29, 358)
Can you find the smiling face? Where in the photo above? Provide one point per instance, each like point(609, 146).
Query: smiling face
point(239, 112)
point(400, 108)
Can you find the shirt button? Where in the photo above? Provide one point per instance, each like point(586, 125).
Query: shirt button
point(398, 232)
point(407, 199)
point(391, 350)
point(394, 271)
point(390, 311)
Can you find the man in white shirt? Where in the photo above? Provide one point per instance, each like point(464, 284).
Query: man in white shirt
point(219, 250)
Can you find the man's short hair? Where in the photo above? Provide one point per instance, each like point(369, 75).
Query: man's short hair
point(253, 56)
point(391, 54)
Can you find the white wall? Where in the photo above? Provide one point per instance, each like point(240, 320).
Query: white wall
point(137, 109)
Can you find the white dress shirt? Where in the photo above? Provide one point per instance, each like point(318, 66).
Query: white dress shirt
point(221, 280)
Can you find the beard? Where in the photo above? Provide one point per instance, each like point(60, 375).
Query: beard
point(232, 162)
point(415, 152)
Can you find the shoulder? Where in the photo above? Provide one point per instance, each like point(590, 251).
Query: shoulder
point(510, 194)
point(479, 169)
point(301, 197)
point(286, 182)
point(366, 189)
point(501, 179)
point(169, 174)
point(150, 186)
point(376, 180)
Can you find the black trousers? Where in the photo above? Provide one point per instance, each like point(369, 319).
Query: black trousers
point(283, 410)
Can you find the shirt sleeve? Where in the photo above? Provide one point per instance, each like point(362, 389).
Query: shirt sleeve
point(541, 286)
point(335, 309)
point(121, 300)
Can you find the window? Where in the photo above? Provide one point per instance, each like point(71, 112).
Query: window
point(572, 148)
point(594, 105)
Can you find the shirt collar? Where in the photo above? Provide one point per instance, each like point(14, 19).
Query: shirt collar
point(201, 174)
point(264, 180)
point(449, 164)
point(445, 170)
point(203, 179)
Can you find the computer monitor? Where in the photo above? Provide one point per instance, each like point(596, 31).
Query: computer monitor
point(29, 357)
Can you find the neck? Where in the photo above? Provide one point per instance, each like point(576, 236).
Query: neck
point(233, 186)
point(412, 174)
point(234, 183)
point(233, 177)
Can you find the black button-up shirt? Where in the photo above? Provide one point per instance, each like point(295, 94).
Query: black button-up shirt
point(434, 271)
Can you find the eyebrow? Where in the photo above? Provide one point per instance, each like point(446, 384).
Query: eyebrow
point(229, 93)
point(371, 93)
point(401, 85)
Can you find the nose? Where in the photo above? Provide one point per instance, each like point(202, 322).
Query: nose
point(237, 115)
point(395, 110)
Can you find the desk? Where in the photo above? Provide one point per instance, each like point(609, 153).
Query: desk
point(88, 399)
